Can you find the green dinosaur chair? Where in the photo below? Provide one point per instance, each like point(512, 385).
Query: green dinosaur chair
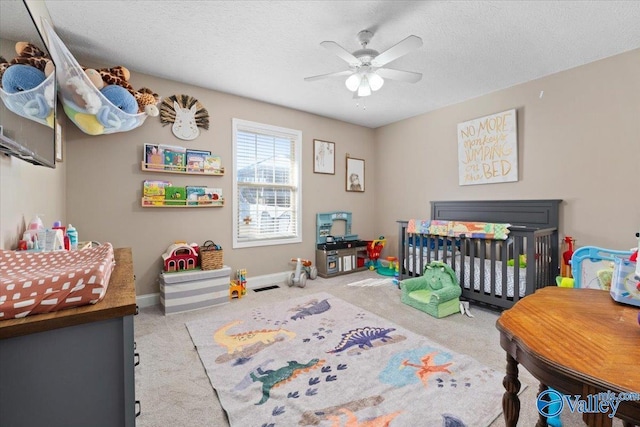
point(436, 292)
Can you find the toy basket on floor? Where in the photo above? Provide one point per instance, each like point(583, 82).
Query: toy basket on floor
point(211, 256)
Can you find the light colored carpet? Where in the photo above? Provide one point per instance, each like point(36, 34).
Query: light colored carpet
point(174, 390)
point(318, 360)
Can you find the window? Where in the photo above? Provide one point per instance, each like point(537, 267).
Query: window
point(267, 185)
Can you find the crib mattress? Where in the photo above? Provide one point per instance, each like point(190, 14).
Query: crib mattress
point(42, 282)
point(487, 288)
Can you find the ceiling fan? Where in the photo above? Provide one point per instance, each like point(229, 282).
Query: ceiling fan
point(366, 72)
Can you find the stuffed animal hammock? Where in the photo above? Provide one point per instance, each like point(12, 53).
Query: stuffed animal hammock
point(83, 102)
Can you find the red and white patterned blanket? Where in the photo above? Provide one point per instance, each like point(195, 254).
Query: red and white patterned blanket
point(41, 282)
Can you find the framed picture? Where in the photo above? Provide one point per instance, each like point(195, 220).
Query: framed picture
point(324, 157)
point(58, 143)
point(355, 174)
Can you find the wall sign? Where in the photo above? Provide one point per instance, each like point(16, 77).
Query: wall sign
point(488, 149)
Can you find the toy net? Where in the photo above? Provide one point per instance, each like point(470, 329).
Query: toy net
point(98, 115)
point(35, 104)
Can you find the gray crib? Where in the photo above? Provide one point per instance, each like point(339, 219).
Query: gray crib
point(482, 265)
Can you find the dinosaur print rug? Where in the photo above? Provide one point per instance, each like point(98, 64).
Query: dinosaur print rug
point(320, 361)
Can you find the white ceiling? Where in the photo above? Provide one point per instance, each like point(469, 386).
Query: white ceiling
point(264, 49)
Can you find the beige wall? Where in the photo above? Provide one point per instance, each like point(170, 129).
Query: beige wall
point(27, 190)
point(105, 184)
point(580, 143)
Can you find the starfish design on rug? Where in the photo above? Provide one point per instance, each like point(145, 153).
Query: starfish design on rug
point(352, 420)
point(427, 367)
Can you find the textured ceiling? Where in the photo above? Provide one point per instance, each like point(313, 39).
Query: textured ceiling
point(264, 49)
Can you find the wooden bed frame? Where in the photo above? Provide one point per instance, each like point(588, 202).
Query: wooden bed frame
point(533, 233)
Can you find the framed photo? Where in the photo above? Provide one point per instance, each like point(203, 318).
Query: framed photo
point(355, 175)
point(324, 157)
point(58, 142)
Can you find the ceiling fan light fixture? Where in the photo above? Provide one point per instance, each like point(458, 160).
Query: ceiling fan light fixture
point(364, 89)
point(353, 82)
point(375, 81)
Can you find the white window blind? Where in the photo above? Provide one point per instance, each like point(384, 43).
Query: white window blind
point(267, 186)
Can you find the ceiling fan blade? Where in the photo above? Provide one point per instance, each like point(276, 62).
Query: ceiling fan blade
point(396, 51)
point(403, 76)
point(341, 52)
point(324, 76)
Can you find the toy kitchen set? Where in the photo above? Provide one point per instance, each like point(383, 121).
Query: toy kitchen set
point(337, 255)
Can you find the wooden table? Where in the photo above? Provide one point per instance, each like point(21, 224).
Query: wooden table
point(578, 341)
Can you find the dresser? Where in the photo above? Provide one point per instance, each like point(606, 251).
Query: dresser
point(73, 367)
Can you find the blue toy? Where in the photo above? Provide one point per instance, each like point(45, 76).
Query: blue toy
point(28, 92)
point(21, 77)
point(121, 98)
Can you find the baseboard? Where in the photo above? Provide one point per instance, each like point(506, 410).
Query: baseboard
point(267, 279)
point(149, 300)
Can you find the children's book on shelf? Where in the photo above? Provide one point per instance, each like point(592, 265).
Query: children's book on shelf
point(195, 194)
point(195, 160)
point(174, 157)
point(175, 196)
point(154, 191)
point(213, 194)
point(154, 187)
point(153, 156)
point(212, 164)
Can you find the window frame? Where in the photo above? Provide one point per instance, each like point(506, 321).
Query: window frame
point(275, 131)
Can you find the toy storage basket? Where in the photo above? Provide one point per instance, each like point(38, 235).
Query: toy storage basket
point(35, 104)
point(589, 263)
point(102, 117)
point(211, 256)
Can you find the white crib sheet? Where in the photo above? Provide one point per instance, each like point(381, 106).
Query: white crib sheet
point(476, 280)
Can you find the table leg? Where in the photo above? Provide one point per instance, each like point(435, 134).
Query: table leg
point(510, 400)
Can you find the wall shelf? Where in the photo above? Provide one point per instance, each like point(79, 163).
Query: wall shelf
point(182, 170)
point(148, 203)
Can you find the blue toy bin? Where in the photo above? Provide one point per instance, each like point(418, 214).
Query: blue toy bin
point(34, 104)
point(588, 261)
point(625, 287)
point(98, 115)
